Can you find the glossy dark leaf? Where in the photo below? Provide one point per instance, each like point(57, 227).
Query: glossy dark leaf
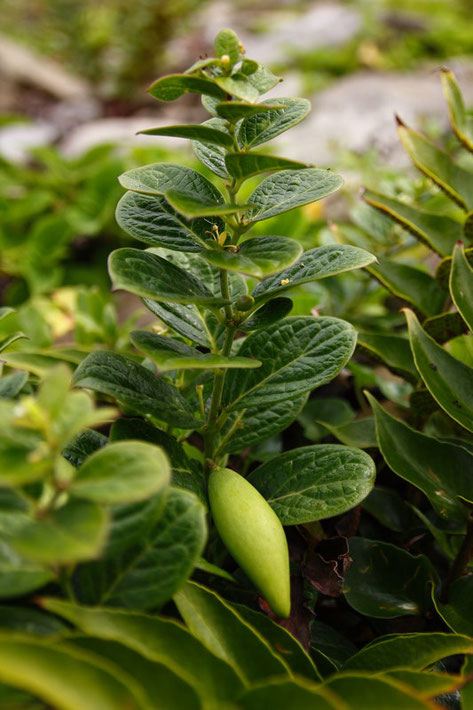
point(171, 87)
point(193, 132)
point(243, 165)
point(315, 482)
point(271, 312)
point(461, 285)
point(263, 127)
point(385, 581)
point(258, 257)
point(134, 385)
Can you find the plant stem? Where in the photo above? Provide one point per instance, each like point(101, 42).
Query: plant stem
point(465, 554)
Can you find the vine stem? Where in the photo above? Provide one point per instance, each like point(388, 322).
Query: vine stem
point(464, 556)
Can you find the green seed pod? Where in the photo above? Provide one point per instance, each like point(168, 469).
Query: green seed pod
point(253, 534)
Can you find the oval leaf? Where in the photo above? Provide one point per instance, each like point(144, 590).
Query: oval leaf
point(123, 472)
point(461, 285)
point(158, 178)
point(150, 276)
point(289, 189)
point(263, 127)
point(315, 264)
point(299, 354)
point(243, 165)
point(448, 380)
point(134, 385)
point(171, 87)
point(257, 257)
point(315, 482)
point(193, 132)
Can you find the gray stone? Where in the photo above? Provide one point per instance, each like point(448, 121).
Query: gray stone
point(357, 112)
point(16, 140)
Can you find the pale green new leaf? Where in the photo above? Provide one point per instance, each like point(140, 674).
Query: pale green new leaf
point(288, 189)
point(75, 532)
point(122, 472)
point(315, 482)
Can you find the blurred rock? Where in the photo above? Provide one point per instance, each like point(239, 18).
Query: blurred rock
point(18, 139)
point(22, 65)
point(357, 113)
point(121, 131)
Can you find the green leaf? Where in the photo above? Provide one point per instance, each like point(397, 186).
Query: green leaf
point(171, 87)
point(256, 424)
point(392, 350)
point(461, 285)
point(84, 680)
point(289, 189)
point(152, 220)
point(448, 380)
point(457, 612)
point(5, 311)
point(257, 257)
point(75, 532)
point(198, 132)
point(294, 694)
point(244, 165)
point(159, 178)
point(385, 581)
point(11, 385)
point(271, 312)
point(10, 339)
point(426, 463)
point(462, 122)
point(224, 632)
point(427, 684)
point(192, 207)
point(211, 155)
point(442, 272)
point(314, 264)
point(358, 692)
point(411, 284)
point(438, 231)
point(134, 385)
point(19, 576)
point(83, 445)
point(157, 639)
point(152, 570)
point(227, 43)
point(298, 354)
point(238, 85)
point(281, 641)
point(263, 127)
point(410, 651)
point(234, 110)
point(150, 276)
point(360, 433)
point(445, 326)
point(123, 472)
point(185, 320)
point(184, 473)
point(169, 354)
point(315, 482)
point(162, 689)
point(454, 180)
point(264, 80)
